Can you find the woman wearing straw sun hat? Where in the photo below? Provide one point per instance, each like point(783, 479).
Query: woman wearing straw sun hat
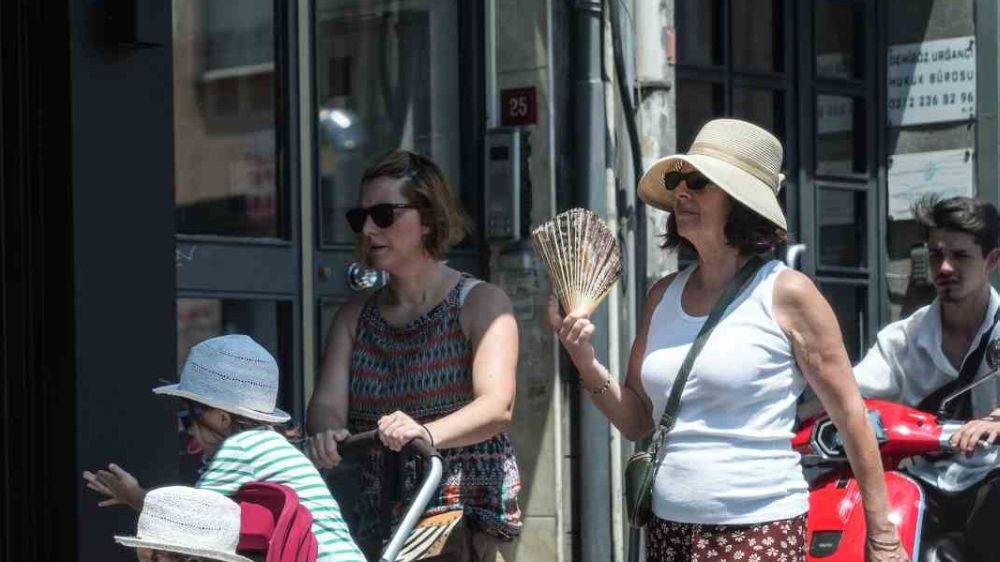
point(181, 524)
point(726, 479)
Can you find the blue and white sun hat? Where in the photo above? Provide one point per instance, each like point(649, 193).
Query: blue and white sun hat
point(232, 373)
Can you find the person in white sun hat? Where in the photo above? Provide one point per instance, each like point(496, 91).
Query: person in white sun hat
point(182, 524)
point(229, 386)
point(727, 479)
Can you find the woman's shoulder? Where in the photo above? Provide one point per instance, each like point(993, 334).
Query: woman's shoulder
point(349, 311)
point(655, 293)
point(483, 296)
point(796, 296)
point(791, 285)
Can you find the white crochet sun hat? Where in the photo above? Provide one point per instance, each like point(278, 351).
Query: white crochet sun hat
point(232, 373)
point(188, 521)
point(739, 157)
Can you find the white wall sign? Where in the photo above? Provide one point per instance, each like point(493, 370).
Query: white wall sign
point(945, 173)
point(932, 82)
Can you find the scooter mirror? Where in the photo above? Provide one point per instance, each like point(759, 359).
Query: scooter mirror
point(993, 354)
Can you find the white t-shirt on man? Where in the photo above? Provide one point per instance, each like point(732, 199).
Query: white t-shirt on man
point(907, 364)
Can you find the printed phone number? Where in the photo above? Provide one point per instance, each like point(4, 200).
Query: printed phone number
point(931, 100)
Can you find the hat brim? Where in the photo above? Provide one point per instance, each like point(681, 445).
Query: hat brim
point(744, 187)
point(136, 542)
point(276, 416)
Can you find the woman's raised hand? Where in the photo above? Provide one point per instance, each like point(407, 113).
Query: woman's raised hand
point(574, 331)
point(322, 447)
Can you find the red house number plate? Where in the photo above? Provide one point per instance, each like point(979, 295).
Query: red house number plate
point(519, 106)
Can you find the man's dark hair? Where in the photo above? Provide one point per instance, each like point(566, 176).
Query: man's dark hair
point(962, 214)
point(745, 230)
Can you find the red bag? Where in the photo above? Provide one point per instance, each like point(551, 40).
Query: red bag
point(276, 523)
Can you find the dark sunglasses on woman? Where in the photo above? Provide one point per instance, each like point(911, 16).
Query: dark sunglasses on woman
point(383, 215)
point(694, 180)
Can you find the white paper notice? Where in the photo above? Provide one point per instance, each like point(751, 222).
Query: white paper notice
point(931, 82)
point(945, 173)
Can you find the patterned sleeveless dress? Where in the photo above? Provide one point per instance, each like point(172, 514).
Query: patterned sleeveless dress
point(425, 370)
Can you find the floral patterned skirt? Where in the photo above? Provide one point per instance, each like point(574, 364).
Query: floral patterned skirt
point(776, 541)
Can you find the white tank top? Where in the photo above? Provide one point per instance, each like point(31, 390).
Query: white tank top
point(728, 460)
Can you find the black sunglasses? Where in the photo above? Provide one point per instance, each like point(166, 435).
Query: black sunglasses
point(383, 215)
point(694, 180)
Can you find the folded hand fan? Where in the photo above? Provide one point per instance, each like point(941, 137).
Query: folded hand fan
point(581, 256)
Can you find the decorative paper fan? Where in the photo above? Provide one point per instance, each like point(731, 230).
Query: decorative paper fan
point(582, 258)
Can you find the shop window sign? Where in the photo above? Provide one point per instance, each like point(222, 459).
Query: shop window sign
point(931, 82)
point(943, 173)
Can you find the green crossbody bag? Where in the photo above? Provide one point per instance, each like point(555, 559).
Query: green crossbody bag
point(640, 470)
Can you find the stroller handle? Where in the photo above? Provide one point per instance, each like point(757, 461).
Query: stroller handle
point(361, 442)
point(364, 441)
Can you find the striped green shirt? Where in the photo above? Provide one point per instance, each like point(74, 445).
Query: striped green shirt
point(262, 455)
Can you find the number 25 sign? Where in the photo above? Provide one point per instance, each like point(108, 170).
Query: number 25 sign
point(519, 106)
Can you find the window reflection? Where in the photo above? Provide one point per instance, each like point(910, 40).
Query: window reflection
point(839, 39)
point(697, 102)
point(765, 108)
point(849, 303)
point(386, 78)
point(757, 35)
point(842, 217)
point(840, 135)
point(224, 116)
point(699, 31)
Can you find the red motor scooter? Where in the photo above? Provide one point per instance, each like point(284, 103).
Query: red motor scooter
point(836, 525)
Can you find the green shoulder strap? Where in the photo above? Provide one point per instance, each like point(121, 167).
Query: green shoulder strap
point(735, 287)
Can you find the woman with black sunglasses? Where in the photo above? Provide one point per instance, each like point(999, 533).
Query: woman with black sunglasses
point(727, 484)
point(432, 356)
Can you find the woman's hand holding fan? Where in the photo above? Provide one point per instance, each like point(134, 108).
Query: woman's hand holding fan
point(584, 262)
point(581, 256)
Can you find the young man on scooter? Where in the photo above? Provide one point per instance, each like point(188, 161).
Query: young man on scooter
point(921, 359)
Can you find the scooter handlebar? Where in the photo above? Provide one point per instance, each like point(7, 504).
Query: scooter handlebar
point(950, 427)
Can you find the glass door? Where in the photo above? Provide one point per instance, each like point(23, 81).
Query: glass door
point(236, 194)
point(839, 172)
point(732, 60)
point(387, 75)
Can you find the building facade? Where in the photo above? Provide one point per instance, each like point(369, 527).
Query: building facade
point(237, 137)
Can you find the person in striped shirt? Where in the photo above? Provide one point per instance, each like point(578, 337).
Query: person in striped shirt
point(230, 386)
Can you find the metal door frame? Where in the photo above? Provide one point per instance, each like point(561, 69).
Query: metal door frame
point(472, 258)
point(872, 90)
point(223, 267)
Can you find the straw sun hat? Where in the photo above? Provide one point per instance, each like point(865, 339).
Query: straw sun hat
point(232, 373)
point(739, 157)
point(188, 521)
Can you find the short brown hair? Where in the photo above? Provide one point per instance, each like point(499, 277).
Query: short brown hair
point(976, 217)
point(745, 230)
point(425, 187)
